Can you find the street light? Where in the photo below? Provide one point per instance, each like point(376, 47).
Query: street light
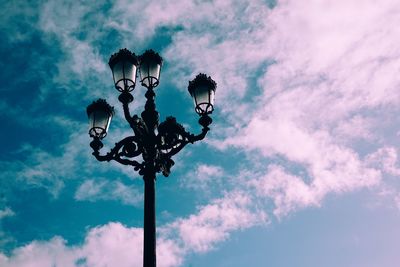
point(155, 142)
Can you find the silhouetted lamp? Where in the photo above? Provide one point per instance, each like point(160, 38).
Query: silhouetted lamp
point(150, 67)
point(124, 67)
point(150, 148)
point(100, 114)
point(202, 89)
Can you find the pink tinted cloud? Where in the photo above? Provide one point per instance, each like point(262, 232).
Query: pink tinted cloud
point(336, 66)
point(214, 222)
point(287, 191)
point(203, 178)
point(112, 244)
point(41, 254)
point(385, 158)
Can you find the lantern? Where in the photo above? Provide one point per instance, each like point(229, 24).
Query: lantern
point(100, 114)
point(202, 89)
point(150, 67)
point(124, 66)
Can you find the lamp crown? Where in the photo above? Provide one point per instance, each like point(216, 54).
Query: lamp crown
point(100, 104)
point(151, 56)
point(202, 80)
point(123, 54)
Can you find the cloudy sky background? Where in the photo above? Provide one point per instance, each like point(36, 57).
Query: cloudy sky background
point(301, 165)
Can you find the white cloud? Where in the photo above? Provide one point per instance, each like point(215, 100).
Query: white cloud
point(287, 191)
point(213, 222)
point(334, 70)
point(114, 244)
point(355, 128)
point(17, 30)
point(41, 254)
point(385, 158)
point(43, 169)
point(110, 245)
point(7, 212)
point(203, 178)
point(316, 150)
point(102, 189)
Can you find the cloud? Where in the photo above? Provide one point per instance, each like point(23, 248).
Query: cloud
point(42, 168)
point(287, 191)
point(114, 244)
point(117, 245)
point(213, 222)
point(110, 245)
point(7, 212)
point(102, 189)
point(204, 178)
point(41, 254)
point(18, 30)
point(330, 85)
point(385, 158)
point(51, 168)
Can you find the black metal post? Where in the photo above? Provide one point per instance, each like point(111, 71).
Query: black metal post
point(150, 117)
point(149, 231)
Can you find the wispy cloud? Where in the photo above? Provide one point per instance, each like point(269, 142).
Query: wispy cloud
point(114, 244)
point(7, 212)
point(102, 189)
point(110, 245)
point(204, 177)
point(215, 221)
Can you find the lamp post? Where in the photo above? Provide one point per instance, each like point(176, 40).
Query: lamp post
point(155, 142)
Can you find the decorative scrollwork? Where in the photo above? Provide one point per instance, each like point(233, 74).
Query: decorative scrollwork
point(171, 138)
point(128, 147)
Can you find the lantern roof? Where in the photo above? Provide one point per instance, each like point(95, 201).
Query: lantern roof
point(123, 54)
point(202, 79)
point(151, 55)
point(100, 104)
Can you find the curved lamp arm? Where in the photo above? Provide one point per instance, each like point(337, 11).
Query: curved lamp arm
point(137, 124)
point(204, 121)
point(124, 149)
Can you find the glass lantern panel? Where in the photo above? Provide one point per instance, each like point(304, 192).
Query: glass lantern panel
point(124, 75)
point(102, 119)
point(99, 123)
point(118, 76)
point(212, 97)
point(149, 74)
point(204, 99)
point(130, 75)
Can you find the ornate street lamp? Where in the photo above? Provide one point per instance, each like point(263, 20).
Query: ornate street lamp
point(100, 114)
point(155, 142)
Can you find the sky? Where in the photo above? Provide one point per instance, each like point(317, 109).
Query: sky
point(300, 167)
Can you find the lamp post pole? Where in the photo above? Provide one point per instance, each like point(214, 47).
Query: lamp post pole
point(149, 229)
point(155, 142)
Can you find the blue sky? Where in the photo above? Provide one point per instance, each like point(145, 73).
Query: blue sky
point(300, 167)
